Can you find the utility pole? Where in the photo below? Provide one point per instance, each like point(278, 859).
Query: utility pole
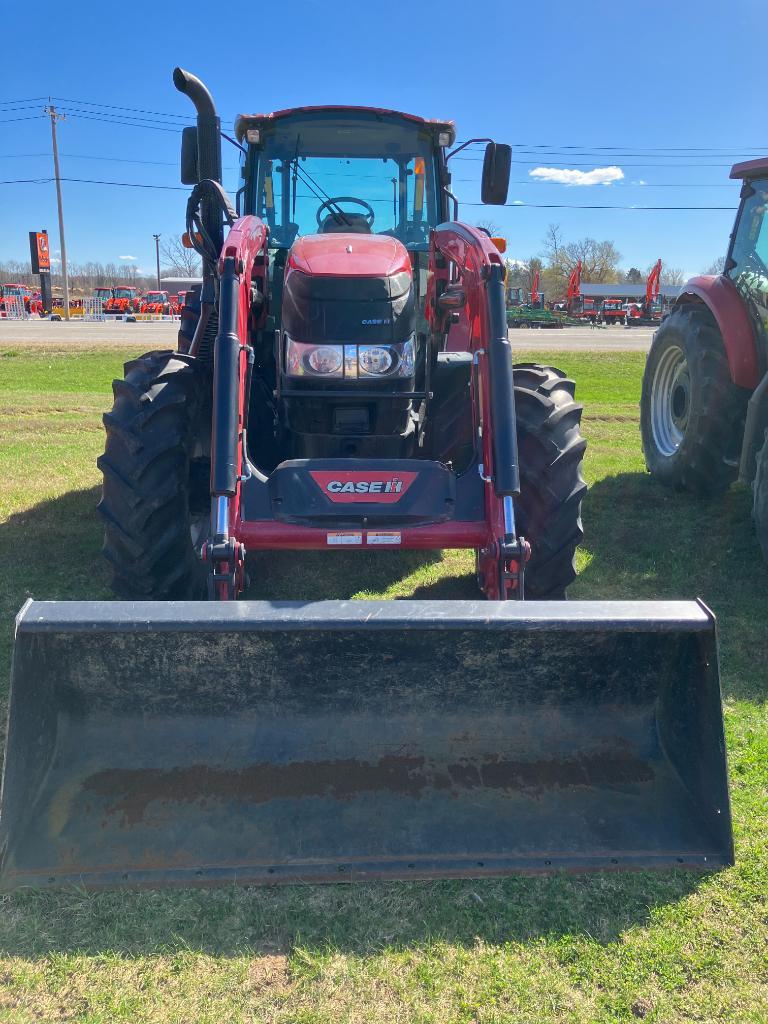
point(157, 258)
point(51, 111)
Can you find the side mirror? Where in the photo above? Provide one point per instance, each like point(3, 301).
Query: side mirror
point(189, 175)
point(496, 167)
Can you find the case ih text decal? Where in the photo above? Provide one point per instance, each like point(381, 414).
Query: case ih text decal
point(362, 486)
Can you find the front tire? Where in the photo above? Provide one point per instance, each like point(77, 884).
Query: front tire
point(760, 498)
point(550, 454)
point(691, 413)
point(156, 464)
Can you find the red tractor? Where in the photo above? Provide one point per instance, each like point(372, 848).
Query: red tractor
point(104, 295)
point(704, 407)
point(157, 303)
point(346, 385)
point(124, 301)
point(19, 296)
point(612, 312)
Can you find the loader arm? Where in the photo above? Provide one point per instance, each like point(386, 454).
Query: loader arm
point(243, 302)
point(465, 260)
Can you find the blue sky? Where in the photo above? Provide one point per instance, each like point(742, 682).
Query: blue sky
point(574, 88)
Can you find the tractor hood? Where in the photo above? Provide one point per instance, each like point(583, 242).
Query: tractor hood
point(349, 288)
point(348, 254)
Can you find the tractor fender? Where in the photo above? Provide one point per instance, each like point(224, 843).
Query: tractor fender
point(720, 296)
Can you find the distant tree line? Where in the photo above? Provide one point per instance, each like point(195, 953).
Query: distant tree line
point(600, 264)
point(84, 277)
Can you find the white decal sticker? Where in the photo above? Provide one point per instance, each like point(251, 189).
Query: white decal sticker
point(344, 538)
point(383, 538)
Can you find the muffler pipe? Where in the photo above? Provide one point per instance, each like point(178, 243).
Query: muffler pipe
point(208, 166)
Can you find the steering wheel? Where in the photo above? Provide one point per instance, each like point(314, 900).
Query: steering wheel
point(338, 215)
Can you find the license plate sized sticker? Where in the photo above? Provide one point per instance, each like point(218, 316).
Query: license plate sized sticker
point(344, 538)
point(379, 537)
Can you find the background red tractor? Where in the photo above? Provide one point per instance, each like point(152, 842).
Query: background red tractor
point(704, 407)
point(612, 312)
point(124, 301)
point(157, 303)
point(11, 293)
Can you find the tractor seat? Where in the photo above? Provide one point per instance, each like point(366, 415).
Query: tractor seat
point(355, 223)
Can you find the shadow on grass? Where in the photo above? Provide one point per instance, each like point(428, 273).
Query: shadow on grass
point(647, 542)
point(50, 551)
point(642, 541)
point(361, 919)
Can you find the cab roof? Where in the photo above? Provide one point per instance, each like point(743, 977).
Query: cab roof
point(245, 121)
point(750, 168)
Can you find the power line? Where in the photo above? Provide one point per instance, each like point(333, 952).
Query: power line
point(29, 99)
point(113, 106)
point(558, 163)
point(121, 124)
point(685, 150)
point(534, 206)
point(577, 206)
point(126, 184)
point(29, 117)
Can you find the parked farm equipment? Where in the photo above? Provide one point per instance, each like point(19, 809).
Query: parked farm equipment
point(124, 302)
point(18, 300)
point(612, 312)
point(347, 384)
point(649, 313)
point(577, 305)
point(158, 303)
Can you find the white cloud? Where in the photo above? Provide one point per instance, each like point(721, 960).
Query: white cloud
point(128, 257)
point(565, 176)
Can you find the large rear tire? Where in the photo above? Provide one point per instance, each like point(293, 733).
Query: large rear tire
point(691, 413)
point(155, 498)
point(760, 498)
point(551, 452)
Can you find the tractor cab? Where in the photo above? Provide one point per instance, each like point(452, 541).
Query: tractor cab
point(747, 262)
point(350, 196)
point(345, 170)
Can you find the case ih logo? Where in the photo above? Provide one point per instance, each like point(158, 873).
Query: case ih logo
point(360, 486)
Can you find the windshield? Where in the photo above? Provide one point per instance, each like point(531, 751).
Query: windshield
point(15, 289)
point(339, 172)
point(154, 297)
point(749, 255)
point(123, 293)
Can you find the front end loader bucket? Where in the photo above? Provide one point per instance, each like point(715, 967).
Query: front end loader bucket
point(199, 743)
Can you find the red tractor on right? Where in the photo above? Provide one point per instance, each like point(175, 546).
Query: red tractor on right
point(704, 405)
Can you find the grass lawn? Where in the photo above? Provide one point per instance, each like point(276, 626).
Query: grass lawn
point(599, 948)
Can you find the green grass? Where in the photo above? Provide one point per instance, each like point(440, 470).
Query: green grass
point(666, 948)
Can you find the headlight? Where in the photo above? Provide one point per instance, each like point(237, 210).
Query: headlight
point(352, 362)
point(313, 360)
point(374, 359)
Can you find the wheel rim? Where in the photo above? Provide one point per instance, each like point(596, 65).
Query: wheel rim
point(670, 401)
